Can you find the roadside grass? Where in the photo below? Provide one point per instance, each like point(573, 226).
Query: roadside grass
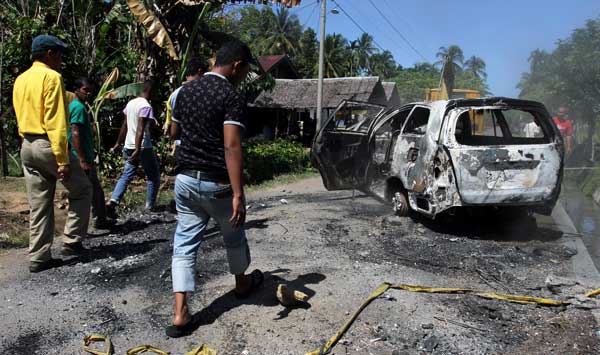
point(283, 179)
point(15, 239)
point(587, 180)
point(14, 165)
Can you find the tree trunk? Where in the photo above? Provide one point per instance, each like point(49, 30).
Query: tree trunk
point(3, 153)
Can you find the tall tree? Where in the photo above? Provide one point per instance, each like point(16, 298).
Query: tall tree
point(308, 54)
point(412, 82)
point(282, 34)
point(569, 76)
point(364, 48)
point(383, 65)
point(476, 66)
point(336, 56)
point(452, 55)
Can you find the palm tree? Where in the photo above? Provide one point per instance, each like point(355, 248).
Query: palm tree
point(453, 55)
point(282, 34)
point(364, 49)
point(476, 66)
point(336, 56)
point(384, 65)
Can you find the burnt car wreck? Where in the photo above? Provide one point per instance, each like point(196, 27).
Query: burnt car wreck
point(433, 157)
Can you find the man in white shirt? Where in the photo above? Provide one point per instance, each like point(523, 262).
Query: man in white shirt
point(135, 131)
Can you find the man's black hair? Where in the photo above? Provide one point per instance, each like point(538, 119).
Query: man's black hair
point(232, 52)
point(194, 65)
point(39, 56)
point(149, 85)
point(81, 81)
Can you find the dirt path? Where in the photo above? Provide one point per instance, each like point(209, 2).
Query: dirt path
point(335, 247)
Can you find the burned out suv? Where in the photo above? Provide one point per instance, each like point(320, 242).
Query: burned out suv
point(431, 157)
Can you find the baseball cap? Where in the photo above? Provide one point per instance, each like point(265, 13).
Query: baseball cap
point(43, 43)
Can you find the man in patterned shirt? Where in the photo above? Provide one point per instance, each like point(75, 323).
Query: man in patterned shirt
point(211, 115)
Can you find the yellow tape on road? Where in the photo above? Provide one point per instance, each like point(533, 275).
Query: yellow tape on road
point(145, 348)
point(94, 338)
point(593, 293)
point(201, 350)
point(325, 349)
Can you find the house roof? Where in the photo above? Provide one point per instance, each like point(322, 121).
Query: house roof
point(389, 87)
point(267, 62)
point(279, 64)
point(302, 93)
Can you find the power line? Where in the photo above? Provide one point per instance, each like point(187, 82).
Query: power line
point(315, 6)
point(385, 32)
point(407, 23)
point(356, 24)
point(397, 31)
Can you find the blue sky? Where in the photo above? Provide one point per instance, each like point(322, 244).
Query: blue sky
point(502, 32)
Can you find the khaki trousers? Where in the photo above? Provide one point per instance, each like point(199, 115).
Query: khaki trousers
point(40, 169)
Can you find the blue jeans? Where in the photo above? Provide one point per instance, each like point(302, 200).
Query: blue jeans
point(151, 169)
point(197, 201)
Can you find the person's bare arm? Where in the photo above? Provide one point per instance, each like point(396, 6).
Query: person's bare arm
point(122, 134)
point(568, 142)
point(76, 140)
point(175, 131)
point(139, 136)
point(233, 160)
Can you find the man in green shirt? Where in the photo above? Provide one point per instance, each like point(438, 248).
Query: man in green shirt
point(81, 141)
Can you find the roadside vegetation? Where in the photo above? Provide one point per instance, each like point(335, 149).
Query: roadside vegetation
point(569, 76)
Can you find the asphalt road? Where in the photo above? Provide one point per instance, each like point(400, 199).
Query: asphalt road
point(336, 247)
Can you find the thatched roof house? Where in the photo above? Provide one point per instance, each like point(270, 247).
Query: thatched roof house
point(302, 93)
point(391, 93)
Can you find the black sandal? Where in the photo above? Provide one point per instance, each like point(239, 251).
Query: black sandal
point(178, 331)
point(256, 279)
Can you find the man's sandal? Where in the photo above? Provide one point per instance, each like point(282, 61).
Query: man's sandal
point(178, 331)
point(256, 279)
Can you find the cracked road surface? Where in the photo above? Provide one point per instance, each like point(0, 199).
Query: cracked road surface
point(336, 248)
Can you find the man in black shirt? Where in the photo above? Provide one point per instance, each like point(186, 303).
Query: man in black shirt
point(211, 115)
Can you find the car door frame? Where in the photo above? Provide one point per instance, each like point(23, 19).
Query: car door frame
point(409, 173)
point(375, 126)
point(330, 164)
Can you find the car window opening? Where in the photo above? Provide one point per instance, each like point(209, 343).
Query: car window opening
point(417, 122)
point(499, 127)
point(354, 117)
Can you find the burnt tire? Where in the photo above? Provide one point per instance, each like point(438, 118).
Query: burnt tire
point(400, 204)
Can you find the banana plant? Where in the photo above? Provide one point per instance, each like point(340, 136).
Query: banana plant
point(127, 90)
point(99, 101)
point(157, 32)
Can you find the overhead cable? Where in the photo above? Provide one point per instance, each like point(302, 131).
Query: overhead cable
point(396, 30)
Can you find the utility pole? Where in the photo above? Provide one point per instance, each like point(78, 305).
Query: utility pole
point(321, 64)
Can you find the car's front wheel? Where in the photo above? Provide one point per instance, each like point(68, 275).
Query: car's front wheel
point(400, 203)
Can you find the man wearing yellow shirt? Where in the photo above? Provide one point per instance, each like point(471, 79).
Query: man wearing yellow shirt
point(39, 100)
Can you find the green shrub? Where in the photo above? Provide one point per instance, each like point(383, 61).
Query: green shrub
point(265, 159)
point(14, 165)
